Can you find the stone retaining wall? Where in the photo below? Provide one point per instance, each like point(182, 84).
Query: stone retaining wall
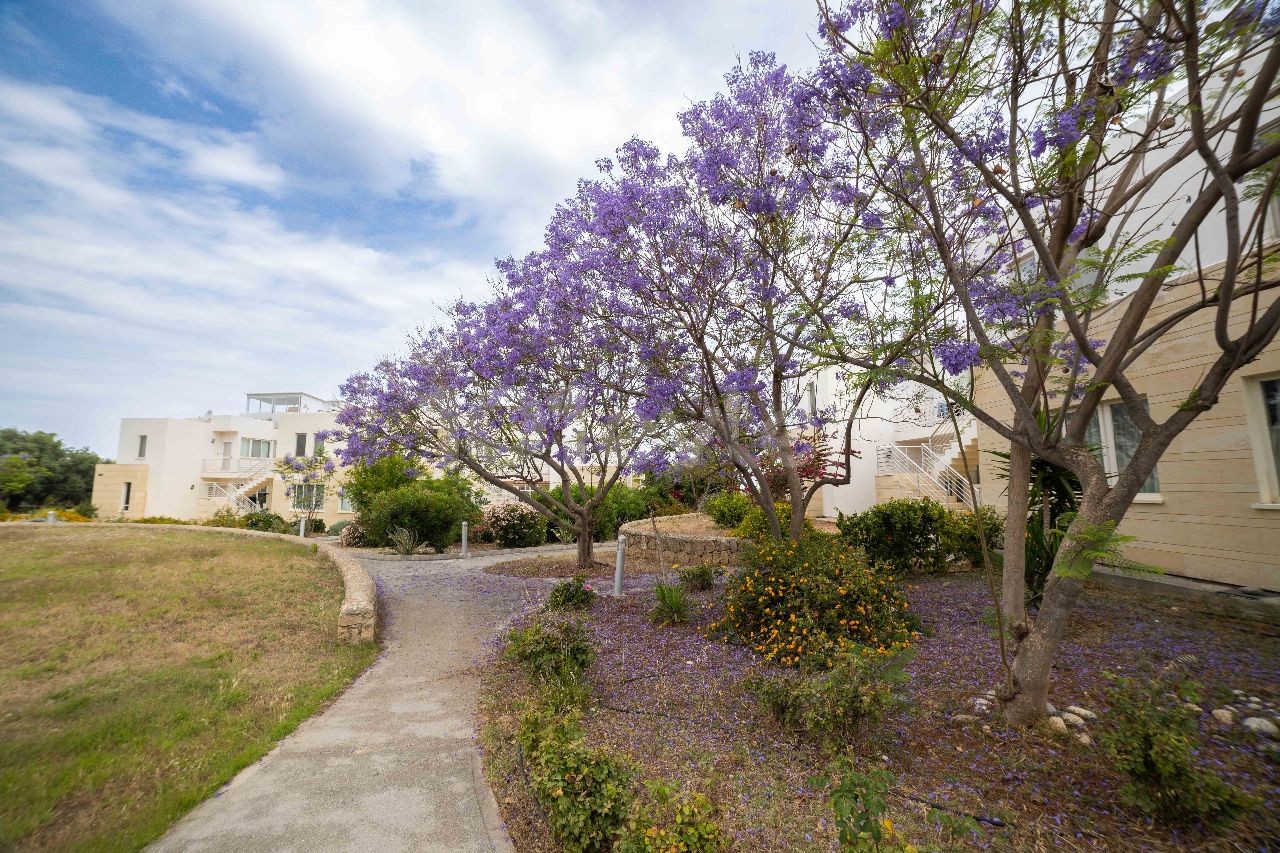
point(358, 616)
point(687, 549)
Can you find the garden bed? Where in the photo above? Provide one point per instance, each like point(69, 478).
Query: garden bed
point(673, 701)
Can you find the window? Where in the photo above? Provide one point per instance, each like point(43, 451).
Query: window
point(344, 503)
point(308, 497)
point(255, 448)
point(142, 447)
point(1114, 438)
point(1271, 405)
point(125, 496)
point(1262, 408)
point(300, 445)
point(318, 446)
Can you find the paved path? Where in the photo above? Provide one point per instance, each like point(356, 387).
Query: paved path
point(391, 765)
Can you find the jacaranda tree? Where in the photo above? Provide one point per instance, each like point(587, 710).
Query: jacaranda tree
point(527, 391)
point(1038, 160)
point(716, 264)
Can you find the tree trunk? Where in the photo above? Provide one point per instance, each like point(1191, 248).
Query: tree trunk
point(1035, 650)
point(1013, 583)
point(585, 553)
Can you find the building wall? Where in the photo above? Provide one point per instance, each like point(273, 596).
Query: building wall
point(108, 490)
point(1215, 517)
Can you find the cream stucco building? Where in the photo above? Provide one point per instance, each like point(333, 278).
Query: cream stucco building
point(188, 468)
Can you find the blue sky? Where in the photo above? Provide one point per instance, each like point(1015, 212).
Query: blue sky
point(206, 198)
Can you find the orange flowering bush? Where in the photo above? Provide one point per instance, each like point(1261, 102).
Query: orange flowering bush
point(807, 601)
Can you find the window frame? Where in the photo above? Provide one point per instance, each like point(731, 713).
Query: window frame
point(299, 490)
point(126, 495)
point(1266, 466)
point(300, 444)
point(142, 447)
point(1110, 458)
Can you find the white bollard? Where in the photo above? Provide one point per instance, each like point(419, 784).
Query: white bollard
point(51, 518)
point(464, 538)
point(617, 568)
point(302, 527)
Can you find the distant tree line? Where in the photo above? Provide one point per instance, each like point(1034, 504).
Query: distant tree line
point(38, 470)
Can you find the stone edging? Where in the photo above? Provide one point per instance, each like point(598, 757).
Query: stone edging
point(358, 616)
point(684, 547)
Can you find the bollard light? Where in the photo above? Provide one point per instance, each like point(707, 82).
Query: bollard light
point(617, 568)
point(464, 539)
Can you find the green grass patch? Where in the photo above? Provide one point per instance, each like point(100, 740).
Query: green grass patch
point(143, 668)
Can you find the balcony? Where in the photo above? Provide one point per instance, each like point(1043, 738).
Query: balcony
point(237, 466)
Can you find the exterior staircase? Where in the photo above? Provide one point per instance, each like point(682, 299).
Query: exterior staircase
point(251, 477)
point(933, 468)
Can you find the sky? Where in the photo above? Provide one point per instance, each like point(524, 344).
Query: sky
point(204, 199)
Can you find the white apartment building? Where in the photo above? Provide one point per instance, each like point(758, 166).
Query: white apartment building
point(189, 468)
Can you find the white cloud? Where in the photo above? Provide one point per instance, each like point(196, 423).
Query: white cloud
point(506, 103)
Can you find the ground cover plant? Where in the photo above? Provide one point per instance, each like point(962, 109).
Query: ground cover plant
point(676, 702)
point(142, 668)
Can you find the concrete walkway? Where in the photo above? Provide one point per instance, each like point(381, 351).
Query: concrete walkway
point(391, 765)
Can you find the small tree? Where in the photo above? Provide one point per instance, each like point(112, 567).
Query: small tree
point(306, 480)
point(532, 392)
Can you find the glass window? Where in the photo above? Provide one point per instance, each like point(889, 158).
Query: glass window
point(1126, 436)
point(1271, 404)
point(344, 503)
point(124, 498)
point(319, 446)
point(308, 497)
point(244, 447)
point(142, 447)
point(300, 444)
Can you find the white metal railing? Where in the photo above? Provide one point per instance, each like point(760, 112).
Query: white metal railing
point(245, 465)
point(233, 497)
point(931, 473)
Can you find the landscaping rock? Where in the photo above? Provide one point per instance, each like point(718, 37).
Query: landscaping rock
point(1083, 713)
point(1073, 720)
point(981, 705)
point(1050, 710)
point(1224, 716)
point(1057, 724)
point(1193, 708)
point(964, 718)
point(1084, 739)
point(1262, 726)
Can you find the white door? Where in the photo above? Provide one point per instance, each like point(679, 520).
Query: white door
point(226, 456)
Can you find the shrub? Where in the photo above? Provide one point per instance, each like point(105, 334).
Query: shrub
point(672, 604)
point(434, 517)
point(337, 527)
point(515, 525)
point(159, 519)
point(316, 525)
point(573, 594)
point(1153, 744)
point(670, 509)
point(224, 517)
point(264, 519)
point(585, 793)
point(352, 535)
point(550, 651)
point(909, 535)
point(364, 481)
point(671, 819)
point(755, 526)
point(701, 577)
point(960, 534)
point(809, 599)
point(87, 509)
point(620, 505)
point(829, 704)
point(727, 509)
point(858, 801)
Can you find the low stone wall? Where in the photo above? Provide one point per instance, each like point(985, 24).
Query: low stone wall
point(358, 616)
point(687, 549)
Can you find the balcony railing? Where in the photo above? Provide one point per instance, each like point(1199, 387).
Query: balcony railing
point(237, 465)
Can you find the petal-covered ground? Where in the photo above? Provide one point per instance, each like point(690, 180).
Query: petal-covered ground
point(672, 699)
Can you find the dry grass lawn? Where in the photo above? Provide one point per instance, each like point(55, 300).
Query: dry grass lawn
point(142, 669)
